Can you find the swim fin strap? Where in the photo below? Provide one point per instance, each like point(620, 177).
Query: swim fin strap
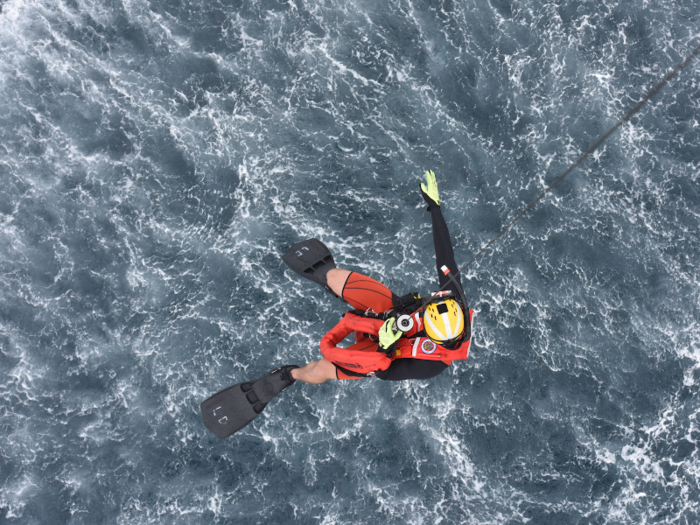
point(311, 259)
point(234, 407)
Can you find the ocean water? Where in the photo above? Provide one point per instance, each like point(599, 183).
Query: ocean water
point(158, 157)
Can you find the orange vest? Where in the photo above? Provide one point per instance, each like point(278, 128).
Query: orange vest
point(363, 357)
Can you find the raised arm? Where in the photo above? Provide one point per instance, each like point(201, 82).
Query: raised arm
point(444, 255)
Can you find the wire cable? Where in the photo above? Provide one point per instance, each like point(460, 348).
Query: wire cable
point(653, 91)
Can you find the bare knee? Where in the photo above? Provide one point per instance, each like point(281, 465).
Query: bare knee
point(336, 279)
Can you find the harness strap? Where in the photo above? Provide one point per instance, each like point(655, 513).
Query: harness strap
point(407, 304)
point(371, 315)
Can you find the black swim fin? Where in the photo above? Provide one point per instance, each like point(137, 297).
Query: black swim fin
point(311, 259)
point(233, 408)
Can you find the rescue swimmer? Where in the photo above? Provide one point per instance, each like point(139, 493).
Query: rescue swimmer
point(396, 338)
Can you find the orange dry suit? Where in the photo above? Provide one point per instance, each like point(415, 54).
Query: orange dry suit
point(364, 357)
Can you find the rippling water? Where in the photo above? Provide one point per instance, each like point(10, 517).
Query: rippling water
point(157, 158)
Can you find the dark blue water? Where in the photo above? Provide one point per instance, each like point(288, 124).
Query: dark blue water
point(157, 158)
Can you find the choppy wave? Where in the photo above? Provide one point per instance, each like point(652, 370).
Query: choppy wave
point(156, 160)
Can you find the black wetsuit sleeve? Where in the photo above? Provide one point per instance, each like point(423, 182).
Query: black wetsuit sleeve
point(402, 369)
point(444, 255)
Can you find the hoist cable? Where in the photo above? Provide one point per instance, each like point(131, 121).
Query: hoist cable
point(653, 91)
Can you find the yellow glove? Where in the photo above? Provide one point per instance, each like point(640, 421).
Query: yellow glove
point(389, 335)
point(430, 190)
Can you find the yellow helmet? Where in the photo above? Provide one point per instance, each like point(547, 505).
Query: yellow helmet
point(443, 319)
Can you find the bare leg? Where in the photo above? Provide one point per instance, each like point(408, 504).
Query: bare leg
point(316, 372)
point(336, 279)
point(320, 371)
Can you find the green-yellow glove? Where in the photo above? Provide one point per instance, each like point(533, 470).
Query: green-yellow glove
point(389, 335)
point(430, 190)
